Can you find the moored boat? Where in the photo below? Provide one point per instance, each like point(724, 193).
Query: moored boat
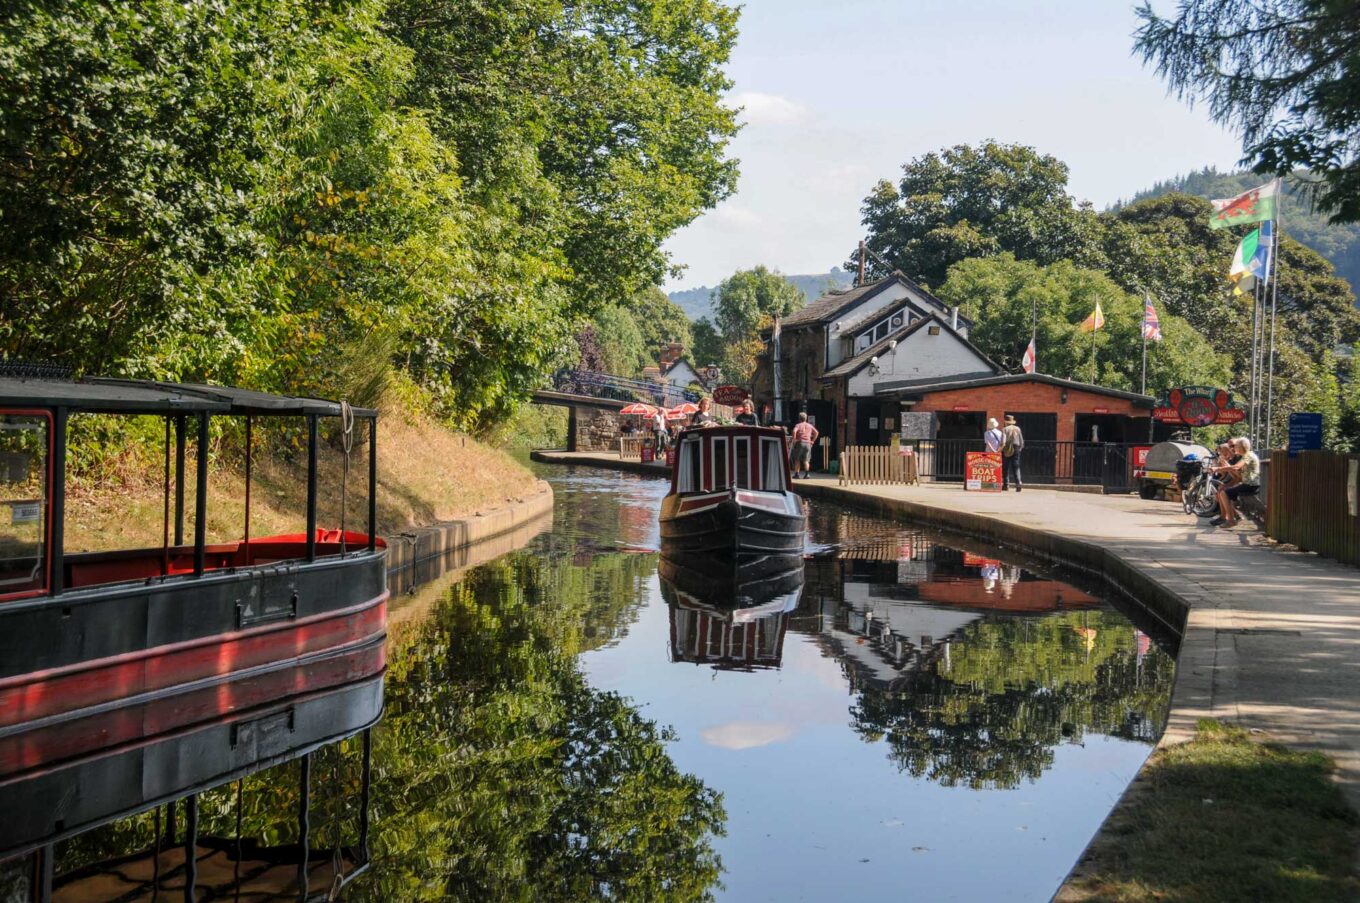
point(86, 633)
point(730, 494)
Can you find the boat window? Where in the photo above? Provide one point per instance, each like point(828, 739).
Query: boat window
point(25, 442)
point(772, 465)
point(690, 467)
point(720, 478)
point(742, 455)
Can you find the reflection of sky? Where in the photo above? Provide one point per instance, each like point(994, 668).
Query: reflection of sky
point(810, 804)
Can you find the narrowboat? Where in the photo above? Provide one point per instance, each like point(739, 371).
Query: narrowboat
point(731, 494)
point(83, 634)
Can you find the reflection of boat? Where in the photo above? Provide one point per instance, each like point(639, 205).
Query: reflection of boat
point(83, 631)
point(52, 793)
point(730, 493)
point(730, 614)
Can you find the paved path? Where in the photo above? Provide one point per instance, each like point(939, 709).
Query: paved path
point(1272, 637)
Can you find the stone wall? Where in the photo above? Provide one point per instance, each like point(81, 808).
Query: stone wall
point(596, 430)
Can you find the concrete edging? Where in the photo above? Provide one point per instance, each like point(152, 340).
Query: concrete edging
point(600, 460)
point(414, 546)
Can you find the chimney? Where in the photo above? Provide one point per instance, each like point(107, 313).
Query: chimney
point(954, 318)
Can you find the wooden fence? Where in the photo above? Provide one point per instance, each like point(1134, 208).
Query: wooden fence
point(630, 447)
point(1312, 503)
point(877, 464)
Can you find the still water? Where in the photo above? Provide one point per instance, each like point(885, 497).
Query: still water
point(925, 719)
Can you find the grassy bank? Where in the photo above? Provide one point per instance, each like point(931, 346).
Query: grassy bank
point(426, 473)
point(1227, 818)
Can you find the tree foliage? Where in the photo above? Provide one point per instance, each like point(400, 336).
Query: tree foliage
point(242, 192)
point(1284, 73)
point(971, 201)
point(744, 303)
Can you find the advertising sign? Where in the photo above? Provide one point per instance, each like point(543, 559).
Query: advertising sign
point(647, 452)
point(982, 471)
point(730, 395)
point(1305, 432)
point(1139, 460)
point(1198, 406)
point(977, 561)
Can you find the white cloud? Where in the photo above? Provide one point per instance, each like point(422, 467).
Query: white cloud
point(735, 217)
point(746, 734)
point(767, 109)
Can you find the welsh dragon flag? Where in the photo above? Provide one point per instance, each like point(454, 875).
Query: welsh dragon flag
point(1255, 206)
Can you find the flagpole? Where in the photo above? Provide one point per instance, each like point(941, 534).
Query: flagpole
point(1254, 397)
point(1143, 329)
point(1274, 292)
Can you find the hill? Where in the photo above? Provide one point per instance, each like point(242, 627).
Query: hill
point(698, 302)
point(1339, 244)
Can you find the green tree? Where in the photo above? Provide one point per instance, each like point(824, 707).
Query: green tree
point(744, 303)
point(1007, 298)
point(1284, 73)
point(661, 321)
point(708, 343)
point(971, 201)
point(621, 343)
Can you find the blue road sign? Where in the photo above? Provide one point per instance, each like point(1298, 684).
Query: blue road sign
point(1305, 432)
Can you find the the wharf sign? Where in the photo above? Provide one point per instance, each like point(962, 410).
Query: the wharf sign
point(1198, 406)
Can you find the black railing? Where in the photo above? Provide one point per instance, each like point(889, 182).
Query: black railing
point(620, 388)
point(1044, 462)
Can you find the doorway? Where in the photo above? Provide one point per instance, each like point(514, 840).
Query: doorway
point(1039, 459)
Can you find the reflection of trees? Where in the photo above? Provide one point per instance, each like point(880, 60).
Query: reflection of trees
point(501, 775)
point(1010, 690)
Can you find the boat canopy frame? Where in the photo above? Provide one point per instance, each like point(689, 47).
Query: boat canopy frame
point(177, 402)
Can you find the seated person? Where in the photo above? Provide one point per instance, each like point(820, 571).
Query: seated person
point(1244, 473)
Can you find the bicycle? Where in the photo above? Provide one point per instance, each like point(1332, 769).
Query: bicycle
point(1199, 496)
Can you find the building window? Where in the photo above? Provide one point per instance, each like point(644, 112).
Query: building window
point(881, 331)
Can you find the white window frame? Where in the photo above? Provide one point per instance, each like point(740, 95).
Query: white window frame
point(767, 447)
point(683, 482)
point(741, 477)
point(726, 465)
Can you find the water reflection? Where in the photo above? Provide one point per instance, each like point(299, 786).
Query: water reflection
point(871, 716)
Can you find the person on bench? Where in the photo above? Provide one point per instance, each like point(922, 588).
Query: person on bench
point(1243, 477)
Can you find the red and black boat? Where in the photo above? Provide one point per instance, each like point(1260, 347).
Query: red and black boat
point(730, 494)
point(83, 634)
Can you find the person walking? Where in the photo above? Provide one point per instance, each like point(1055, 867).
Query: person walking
point(804, 435)
point(993, 437)
point(1012, 443)
point(659, 431)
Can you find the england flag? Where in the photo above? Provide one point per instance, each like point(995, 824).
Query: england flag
point(1028, 360)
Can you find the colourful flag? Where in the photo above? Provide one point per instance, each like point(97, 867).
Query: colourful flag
point(1028, 360)
point(1252, 206)
point(1094, 321)
point(1152, 327)
point(1251, 259)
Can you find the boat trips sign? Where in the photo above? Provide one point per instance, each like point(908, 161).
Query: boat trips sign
point(982, 471)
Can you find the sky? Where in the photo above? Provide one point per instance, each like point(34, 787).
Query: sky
point(839, 95)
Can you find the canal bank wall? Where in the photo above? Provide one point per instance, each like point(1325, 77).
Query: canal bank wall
point(421, 548)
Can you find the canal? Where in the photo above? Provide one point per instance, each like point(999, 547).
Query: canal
point(924, 717)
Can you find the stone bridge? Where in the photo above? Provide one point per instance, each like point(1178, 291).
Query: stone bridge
point(593, 402)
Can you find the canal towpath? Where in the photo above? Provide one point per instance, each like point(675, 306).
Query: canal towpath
point(1271, 636)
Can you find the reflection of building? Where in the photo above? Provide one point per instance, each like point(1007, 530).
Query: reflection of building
point(891, 602)
point(64, 780)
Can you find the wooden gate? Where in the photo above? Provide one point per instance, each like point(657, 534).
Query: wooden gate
point(877, 464)
point(1312, 503)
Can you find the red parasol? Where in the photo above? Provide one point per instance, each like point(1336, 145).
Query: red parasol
point(687, 407)
point(676, 414)
point(638, 407)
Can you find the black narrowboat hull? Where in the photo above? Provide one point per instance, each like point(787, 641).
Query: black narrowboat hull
point(107, 646)
point(723, 523)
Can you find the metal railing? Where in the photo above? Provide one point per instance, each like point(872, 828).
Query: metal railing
point(620, 388)
point(1312, 503)
point(1042, 462)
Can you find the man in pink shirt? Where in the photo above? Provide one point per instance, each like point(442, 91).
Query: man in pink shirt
point(804, 434)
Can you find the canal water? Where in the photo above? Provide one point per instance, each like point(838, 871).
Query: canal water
point(924, 717)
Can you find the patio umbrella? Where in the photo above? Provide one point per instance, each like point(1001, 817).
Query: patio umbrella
point(676, 414)
point(638, 407)
point(687, 407)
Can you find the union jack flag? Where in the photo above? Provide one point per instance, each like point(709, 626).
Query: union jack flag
point(1152, 327)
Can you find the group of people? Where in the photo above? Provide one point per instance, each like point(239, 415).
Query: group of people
point(1239, 472)
point(1008, 442)
point(803, 435)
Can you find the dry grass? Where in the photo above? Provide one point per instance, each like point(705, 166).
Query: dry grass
point(426, 474)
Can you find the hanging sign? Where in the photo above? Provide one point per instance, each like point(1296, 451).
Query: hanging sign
point(982, 471)
point(1198, 406)
point(730, 395)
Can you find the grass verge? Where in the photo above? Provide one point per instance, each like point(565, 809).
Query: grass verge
point(1224, 817)
point(426, 474)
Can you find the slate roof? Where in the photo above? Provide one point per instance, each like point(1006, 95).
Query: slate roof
point(860, 361)
point(829, 306)
point(922, 387)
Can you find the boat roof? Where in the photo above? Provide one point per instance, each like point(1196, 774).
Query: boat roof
point(130, 396)
point(729, 428)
